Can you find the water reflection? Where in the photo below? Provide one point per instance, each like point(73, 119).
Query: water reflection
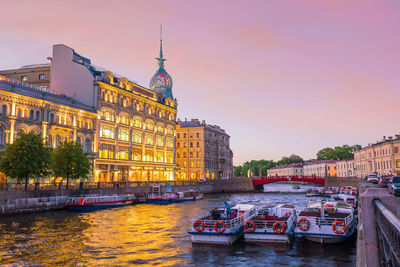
point(150, 235)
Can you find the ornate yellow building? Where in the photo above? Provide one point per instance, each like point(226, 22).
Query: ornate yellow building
point(130, 129)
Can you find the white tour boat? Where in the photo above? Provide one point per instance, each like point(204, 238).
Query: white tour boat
point(326, 222)
point(272, 224)
point(314, 192)
point(216, 227)
point(352, 190)
point(346, 198)
point(96, 202)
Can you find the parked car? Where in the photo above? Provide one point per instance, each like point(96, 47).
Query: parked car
point(394, 185)
point(384, 180)
point(372, 178)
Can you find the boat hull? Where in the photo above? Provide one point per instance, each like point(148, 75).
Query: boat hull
point(215, 238)
point(328, 238)
point(260, 237)
point(159, 201)
point(100, 206)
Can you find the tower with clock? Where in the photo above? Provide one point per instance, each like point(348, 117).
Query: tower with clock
point(161, 81)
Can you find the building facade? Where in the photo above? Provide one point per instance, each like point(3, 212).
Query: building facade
point(202, 151)
point(37, 76)
point(294, 169)
point(131, 129)
point(382, 157)
point(320, 168)
point(346, 168)
point(26, 109)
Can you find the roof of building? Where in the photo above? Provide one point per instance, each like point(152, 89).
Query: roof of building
point(320, 162)
point(32, 66)
point(190, 124)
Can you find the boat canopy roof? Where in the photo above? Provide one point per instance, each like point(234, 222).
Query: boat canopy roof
point(243, 207)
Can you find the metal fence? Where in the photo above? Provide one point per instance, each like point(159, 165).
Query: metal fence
point(91, 185)
point(388, 231)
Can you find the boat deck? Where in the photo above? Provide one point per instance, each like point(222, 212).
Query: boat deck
point(311, 213)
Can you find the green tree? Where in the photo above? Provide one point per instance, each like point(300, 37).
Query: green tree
point(27, 157)
point(291, 159)
point(238, 171)
point(326, 154)
point(70, 162)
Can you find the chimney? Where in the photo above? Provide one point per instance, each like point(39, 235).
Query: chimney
point(203, 122)
point(397, 136)
point(185, 119)
point(390, 137)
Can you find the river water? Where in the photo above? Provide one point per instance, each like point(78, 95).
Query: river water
point(147, 234)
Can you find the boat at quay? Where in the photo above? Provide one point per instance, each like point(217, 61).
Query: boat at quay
point(326, 222)
point(97, 202)
point(271, 224)
point(177, 197)
point(219, 227)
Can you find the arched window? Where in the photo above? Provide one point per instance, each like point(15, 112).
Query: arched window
point(37, 115)
point(79, 140)
point(31, 114)
point(137, 122)
point(4, 110)
point(50, 140)
point(58, 140)
point(51, 117)
point(19, 113)
point(87, 147)
point(1, 136)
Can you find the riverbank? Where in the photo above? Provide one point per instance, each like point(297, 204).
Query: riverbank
point(12, 202)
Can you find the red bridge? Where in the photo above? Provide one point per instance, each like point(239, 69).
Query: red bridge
point(257, 181)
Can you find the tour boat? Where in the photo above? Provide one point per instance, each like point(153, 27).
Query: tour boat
point(218, 228)
point(346, 198)
point(330, 191)
point(352, 190)
point(96, 202)
point(177, 197)
point(271, 224)
point(326, 222)
point(313, 192)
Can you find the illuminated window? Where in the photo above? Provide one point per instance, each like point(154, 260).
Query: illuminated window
point(137, 137)
point(160, 141)
point(106, 151)
point(148, 155)
point(170, 143)
point(170, 157)
point(124, 120)
point(107, 131)
point(137, 154)
point(159, 157)
point(137, 122)
point(123, 134)
point(24, 78)
point(148, 139)
point(150, 126)
point(123, 153)
point(107, 115)
point(160, 129)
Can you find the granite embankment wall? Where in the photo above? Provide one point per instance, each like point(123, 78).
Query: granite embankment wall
point(40, 200)
point(341, 181)
point(367, 243)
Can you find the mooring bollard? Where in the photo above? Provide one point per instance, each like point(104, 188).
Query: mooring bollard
point(9, 187)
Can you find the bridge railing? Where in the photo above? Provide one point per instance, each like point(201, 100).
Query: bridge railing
point(388, 231)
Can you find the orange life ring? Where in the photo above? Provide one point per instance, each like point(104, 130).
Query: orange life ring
point(279, 227)
point(351, 202)
point(219, 229)
point(303, 227)
point(198, 225)
point(339, 223)
point(251, 228)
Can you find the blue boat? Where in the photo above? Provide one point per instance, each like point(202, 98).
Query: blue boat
point(97, 202)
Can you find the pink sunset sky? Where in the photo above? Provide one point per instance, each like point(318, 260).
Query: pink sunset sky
point(280, 77)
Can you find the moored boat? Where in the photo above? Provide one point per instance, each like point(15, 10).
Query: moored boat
point(96, 202)
point(326, 222)
point(313, 192)
point(346, 198)
point(219, 228)
point(352, 190)
point(330, 191)
point(177, 197)
point(272, 224)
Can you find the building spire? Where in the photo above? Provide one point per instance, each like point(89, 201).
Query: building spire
point(161, 58)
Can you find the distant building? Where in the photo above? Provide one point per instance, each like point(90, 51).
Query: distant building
point(202, 151)
point(346, 168)
point(382, 157)
point(294, 169)
point(320, 168)
point(37, 75)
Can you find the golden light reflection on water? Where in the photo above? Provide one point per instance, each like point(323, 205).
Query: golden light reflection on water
point(140, 235)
